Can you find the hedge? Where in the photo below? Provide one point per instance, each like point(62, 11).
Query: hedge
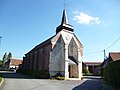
point(112, 74)
point(38, 74)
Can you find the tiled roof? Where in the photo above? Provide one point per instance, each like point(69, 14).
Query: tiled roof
point(15, 61)
point(115, 55)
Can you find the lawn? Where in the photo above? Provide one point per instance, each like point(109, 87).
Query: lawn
point(0, 77)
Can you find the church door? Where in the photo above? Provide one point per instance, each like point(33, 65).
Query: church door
point(73, 71)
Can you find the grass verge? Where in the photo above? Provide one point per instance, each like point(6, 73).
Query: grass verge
point(0, 77)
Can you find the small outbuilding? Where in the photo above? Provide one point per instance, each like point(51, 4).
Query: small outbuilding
point(13, 64)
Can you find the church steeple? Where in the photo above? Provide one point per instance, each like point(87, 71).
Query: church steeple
point(64, 17)
point(64, 24)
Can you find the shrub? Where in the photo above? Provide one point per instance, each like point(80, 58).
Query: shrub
point(109, 87)
point(85, 70)
point(112, 74)
point(58, 76)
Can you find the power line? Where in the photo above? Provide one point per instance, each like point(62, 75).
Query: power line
point(94, 52)
point(113, 44)
point(104, 49)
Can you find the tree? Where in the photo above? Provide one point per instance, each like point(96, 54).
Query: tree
point(9, 56)
point(86, 70)
point(5, 58)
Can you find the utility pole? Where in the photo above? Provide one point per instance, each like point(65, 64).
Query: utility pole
point(0, 40)
point(104, 55)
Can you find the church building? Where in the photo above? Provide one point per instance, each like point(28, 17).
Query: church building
point(61, 53)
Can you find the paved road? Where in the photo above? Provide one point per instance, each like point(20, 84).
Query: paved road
point(15, 81)
point(91, 83)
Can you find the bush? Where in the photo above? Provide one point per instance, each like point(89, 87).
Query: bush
point(109, 87)
point(38, 74)
point(58, 76)
point(85, 70)
point(112, 74)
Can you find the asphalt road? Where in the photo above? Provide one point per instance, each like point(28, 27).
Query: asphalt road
point(15, 81)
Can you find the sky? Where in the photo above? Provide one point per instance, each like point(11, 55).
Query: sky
point(26, 23)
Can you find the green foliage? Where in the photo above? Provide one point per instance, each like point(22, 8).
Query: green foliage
point(38, 74)
point(9, 56)
point(0, 77)
point(112, 74)
point(88, 74)
point(58, 76)
point(1, 65)
point(4, 57)
point(109, 87)
point(4, 60)
point(85, 70)
point(1, 62)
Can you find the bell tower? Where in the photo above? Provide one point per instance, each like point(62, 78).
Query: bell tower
point(64, 23)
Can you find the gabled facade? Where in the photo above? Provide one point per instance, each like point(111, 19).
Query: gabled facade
point(62, 53)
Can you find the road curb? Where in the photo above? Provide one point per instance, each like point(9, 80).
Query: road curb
point(1, 83)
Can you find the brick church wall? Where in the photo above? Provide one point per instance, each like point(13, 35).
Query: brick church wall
point(38, 59)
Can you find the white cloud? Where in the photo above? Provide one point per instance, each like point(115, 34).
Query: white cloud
point(83, 18)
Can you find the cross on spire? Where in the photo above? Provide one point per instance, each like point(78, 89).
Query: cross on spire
point(64, 4)
point(64, 23)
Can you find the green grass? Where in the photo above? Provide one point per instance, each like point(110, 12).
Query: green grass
point(58, 78)
point(87, 74)
point(0, 77)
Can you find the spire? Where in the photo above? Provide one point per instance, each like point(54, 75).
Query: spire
point(64, 18)
point(64, 24)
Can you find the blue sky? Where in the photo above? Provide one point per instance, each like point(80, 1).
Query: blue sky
point(26, 23)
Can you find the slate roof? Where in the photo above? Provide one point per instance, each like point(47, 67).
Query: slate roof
point(41, 44)
point(64, 23)
point(64, 17)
